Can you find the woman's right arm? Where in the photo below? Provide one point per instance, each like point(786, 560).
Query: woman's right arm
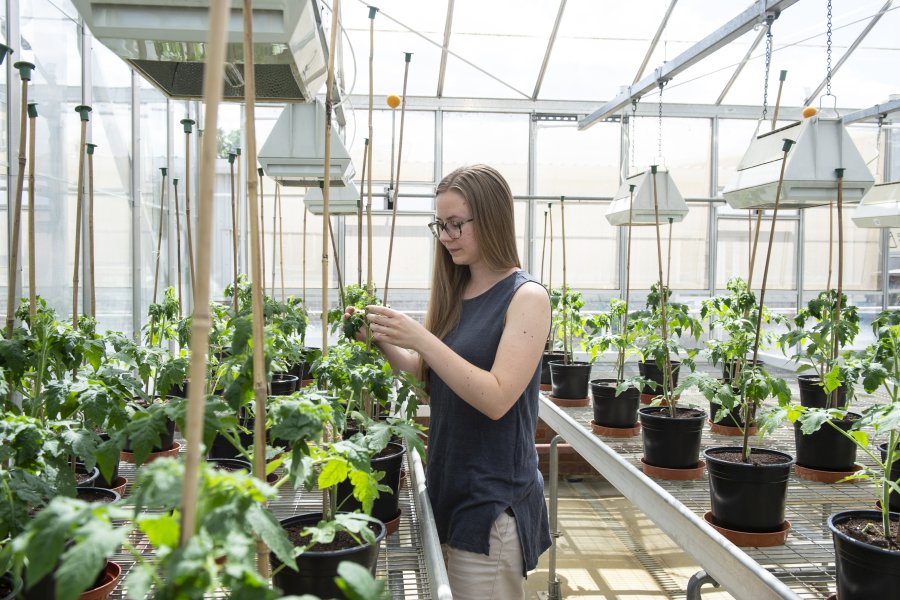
point(400, 359)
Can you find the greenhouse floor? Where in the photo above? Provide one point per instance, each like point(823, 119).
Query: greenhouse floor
point(609, 549)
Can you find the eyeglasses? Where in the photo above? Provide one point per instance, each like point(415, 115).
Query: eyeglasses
point(453, 229)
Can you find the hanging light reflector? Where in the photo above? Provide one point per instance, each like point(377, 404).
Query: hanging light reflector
point(880, 207)
point(671, 203)
point(341, 200)
point(822, 145)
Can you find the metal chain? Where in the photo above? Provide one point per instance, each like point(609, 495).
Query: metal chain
point(769, 21)
point(662, 84)
point(828, 54)
point(633, 129)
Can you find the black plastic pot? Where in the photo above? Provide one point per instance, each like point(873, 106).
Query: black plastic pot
point(178, 391)
point(230, 464)
point(729, 366)
point(652, 372)
point(611, 410)
point(317, 569)
point(386, 506)
point(672, 443)
point(747, 497)
point(570, 381)
point(812, 395)
point(863, 571)
point(96, 494)
point(284, 384)
point(826, 449)
point(14, 585)
point(546, 359)
point(893, 475)
point(92, 475)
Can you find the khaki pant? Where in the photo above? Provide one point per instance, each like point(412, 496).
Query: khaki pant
point(498, 576)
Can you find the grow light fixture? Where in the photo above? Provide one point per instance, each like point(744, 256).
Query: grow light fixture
point(294, 153)
point(671, 203)
point(880, 207)
point(341, 200)
point(822, 145)
point(166, 40)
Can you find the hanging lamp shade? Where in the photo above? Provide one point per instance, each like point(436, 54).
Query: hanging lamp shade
point(880, 207)
point(671, 203)
point(341, 200)
point(822, 145)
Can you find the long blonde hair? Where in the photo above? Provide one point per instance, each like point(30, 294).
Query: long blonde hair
point(490, 199)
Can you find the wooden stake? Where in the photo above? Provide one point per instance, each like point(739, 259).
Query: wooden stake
point(370, 286)
point(257, 273)
point(275, 217)
point(90, 155)
point(840, 278)
point(544, 247)
point(262, 231)
point(326, 188)
point(663, 290)
point(25, 69)
point(565, 292)
point(305, 214)
point(162, 211)
point(620, 367)
point(178, 242)
point(359, 216)
point(84, 111)
point(32, 270)
point(669, 256)
point(550, 264)
point(759, 214)
point(387, 278)
point(781, 77)
point(212, 92)
point(280, 240)
point(830, 242)
point(188, 123)
point(234, 240)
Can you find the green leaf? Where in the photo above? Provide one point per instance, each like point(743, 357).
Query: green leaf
point(139, 580)
point(271, 532)
point(162, 530)
point(335, 471)
point(357, 582)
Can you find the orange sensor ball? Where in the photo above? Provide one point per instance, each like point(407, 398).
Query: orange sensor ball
point(393, 101)
point(809, 111)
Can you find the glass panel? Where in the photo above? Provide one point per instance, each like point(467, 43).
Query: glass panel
point(733, 253)
point(577, 163)
point(111, 131)
point(690, 254)
point(591, 247)
point(685, 151)
point(893, 282)
point(389, 60)
point(734, 138)
point(862, 251)
point(418, 145)
point(499, 140)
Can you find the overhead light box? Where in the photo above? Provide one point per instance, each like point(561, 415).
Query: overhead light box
point(341, 200)
point(671, 203)
point(880, 207)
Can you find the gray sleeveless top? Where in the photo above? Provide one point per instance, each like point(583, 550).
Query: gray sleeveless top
point(478, 467)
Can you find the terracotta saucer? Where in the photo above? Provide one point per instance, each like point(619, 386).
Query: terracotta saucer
point(824, 476)
point(616, 432)
point(674, 474)
point(394, 523)
point(173, 451)
point(118, 485)
point(546, 387)
point(729, 430)
point(832, 597)
point(112, 572)
point(746, 538)
point(569, 402)
point(306, 382)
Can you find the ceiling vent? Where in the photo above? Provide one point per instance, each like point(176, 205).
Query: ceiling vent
point(166, 41)
point(294, 153)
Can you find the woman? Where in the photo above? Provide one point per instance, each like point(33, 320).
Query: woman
point(479, 352)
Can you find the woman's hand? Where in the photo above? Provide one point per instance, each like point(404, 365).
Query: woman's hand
point(361, 332)
point(394, 327)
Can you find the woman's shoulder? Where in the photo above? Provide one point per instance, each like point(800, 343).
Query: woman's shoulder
point(530, 290)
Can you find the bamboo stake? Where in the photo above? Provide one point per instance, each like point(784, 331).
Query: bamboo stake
point(830, 243)
point(669, 256)
point(781, 77)
point(90, 155)
point(187, 198)
point(274, 230)
point(565, 292)
point(359, 216)
point(663, 291)
point(337, 264)
point(620, 371)
point(749, 410)
point(550, 264)
point(262, 232)
point(280, 240)
point(759, 214)
point(257, 273)
point(840, 277)
point(326, 188)
point(162, 210)
point(387, 278)
point(234, 241)
point(212, 92)
point(544, 247)
point(25, 69)
point(305, 213)
point(370, 286)
point(178, 242)
point(32, 275)
point(84, 111)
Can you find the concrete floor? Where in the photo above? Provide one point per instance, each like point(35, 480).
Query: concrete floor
point(608, 549)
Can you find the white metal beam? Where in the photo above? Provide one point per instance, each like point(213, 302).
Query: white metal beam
point(741, 65)
point(732, 30)
point(875, 111)
point(550, 42)
point(448, 27)
point(655, 41)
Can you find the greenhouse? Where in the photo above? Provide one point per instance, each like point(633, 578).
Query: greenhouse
point(440, 299)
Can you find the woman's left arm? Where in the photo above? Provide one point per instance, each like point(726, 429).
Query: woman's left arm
point(492, 392)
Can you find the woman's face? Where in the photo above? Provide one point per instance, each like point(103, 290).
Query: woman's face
point(454, 212)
